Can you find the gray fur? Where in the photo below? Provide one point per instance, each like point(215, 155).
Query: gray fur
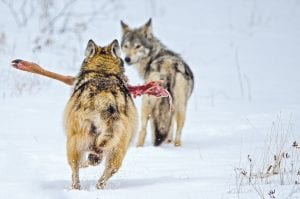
point(154, 61)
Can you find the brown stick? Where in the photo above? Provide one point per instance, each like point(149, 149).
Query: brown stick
point(35, 68)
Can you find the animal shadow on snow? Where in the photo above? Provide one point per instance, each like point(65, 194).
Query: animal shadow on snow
point(115, 184)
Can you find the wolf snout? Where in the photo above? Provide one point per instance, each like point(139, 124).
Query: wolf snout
point(127, 59)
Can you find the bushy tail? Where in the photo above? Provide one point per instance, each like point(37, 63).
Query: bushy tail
point(161, 121)
point(160, 136)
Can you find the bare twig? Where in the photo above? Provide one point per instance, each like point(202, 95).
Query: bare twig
point(237, 64)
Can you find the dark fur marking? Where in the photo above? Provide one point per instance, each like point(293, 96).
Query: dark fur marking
point(110, 113)
point(188, 71)
point(161, 53)
point(94, 159)
point(92, 94)
point(114, 93)
point(174, 79)
point(78, 106)
point(188, 74)
point(114, 171)
point(169, 85)
point(84, 72)
point(79, 89)
point(122, 65)
point(102, 52)
point(159, 63)
point(111, 109)
point(101, 82)
point(147, 69)
point(108, 136)
point(93, 129)
point(176, 66)
point(164, 102)
point(179, 71)
point(125, 92)
point(103, 143)
point(147, 43)
point(103, 85)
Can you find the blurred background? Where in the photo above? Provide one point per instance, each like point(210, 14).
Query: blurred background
point(238, 49)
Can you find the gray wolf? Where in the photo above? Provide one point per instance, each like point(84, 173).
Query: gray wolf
point(154, 61)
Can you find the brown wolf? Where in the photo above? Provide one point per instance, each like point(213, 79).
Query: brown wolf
point(100, 116)
point(155, 62)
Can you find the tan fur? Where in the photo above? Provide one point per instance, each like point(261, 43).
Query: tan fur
point(100, 117)
point(155, 62)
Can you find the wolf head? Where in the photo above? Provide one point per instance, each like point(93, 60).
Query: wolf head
point(106, 59)
point(137, 43)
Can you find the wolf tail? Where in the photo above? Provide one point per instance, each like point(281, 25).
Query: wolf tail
point(162, 121)
point(160, 136)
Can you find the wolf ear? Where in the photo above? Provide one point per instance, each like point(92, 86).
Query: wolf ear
point(90, 48)
point(125, 27)
point(149, 23)
point(147, 28)
point(115, 48)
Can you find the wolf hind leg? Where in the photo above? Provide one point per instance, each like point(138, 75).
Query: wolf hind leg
point(74, 158)
point(170, 133)
point(113, 162)
point(180, 119)
point(180, 102)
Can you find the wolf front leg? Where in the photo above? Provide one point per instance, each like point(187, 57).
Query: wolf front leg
point(146, 111)
point(113, 162)
point(74, 158)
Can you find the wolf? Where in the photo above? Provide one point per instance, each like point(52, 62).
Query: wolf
point(100, 116)
point(154, 61)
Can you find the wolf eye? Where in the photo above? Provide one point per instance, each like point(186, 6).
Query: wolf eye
point(137, 46)
point(125, 46)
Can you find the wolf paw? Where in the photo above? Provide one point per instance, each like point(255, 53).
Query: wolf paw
point(177, 143)
point(94, 159)
point(139, 144)
point(100, 185)
point(76, 186)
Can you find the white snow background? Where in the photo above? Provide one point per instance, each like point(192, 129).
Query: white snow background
point(245, 55)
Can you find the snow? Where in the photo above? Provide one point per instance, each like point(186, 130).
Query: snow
point(227, 119)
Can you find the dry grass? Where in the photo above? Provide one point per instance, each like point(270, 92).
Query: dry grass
point(278, 162)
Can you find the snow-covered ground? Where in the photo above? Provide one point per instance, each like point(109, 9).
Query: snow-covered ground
point(245, 57)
